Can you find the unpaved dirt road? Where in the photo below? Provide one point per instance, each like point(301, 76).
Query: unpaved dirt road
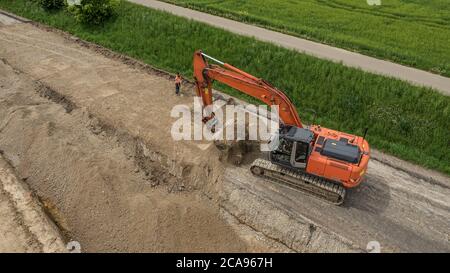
point(319, 50)
point(25, 227)
point(89, 131)
point(90, 177)
point(401, 212)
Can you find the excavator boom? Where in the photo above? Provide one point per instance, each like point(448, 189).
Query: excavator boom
point(204, 74)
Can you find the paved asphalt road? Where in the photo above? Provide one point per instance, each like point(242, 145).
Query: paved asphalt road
point(416, 76)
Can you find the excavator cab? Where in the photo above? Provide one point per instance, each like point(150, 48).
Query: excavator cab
point(295, 146)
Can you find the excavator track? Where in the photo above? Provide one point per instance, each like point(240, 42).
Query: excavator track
point(303, 182)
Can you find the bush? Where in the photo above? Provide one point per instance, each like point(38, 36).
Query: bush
point(94, 12)
point(51, 4)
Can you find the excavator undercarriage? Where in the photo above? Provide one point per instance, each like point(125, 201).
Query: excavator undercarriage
point(298, 180)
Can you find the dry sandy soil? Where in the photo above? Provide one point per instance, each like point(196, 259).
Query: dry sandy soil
point(89, 132)
point(94, 189)
point(94, 180)
point(25, 227)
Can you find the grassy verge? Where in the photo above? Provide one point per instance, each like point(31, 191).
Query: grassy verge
point(407, 121)
point(415, 33)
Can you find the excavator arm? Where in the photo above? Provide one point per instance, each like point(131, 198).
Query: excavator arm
point(205, 74)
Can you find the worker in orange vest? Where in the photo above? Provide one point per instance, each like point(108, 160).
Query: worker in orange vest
point(178, 80)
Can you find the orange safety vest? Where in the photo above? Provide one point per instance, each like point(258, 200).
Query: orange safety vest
point(178, 80)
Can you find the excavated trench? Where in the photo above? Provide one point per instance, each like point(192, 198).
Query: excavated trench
point(107, 189)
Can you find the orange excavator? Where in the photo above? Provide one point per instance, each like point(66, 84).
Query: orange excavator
point(312, 159)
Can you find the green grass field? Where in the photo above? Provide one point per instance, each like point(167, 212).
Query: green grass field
point(411, 32)
point(410, 122)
